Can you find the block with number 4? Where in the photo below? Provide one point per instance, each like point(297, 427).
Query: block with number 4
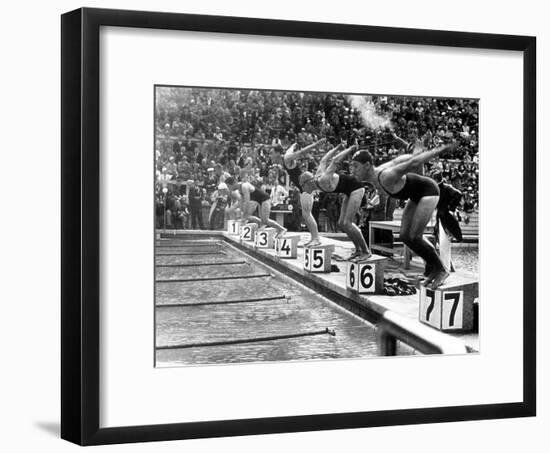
point(234, 227)
point(248, 232)
point(367, 277)
point(318, 258)
point(265, 239)
point(287, 246)
point(449, 308)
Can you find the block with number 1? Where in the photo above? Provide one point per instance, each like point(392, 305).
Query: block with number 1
point(450, 307)
point(234, 227)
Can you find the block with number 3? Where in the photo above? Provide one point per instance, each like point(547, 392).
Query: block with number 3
point(265, 239)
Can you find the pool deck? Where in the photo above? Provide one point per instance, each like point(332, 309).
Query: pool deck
point(406, 306)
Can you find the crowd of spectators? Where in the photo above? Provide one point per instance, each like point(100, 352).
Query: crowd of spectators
point(203, 133)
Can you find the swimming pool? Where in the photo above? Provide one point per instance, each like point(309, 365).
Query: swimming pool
point(216, 304)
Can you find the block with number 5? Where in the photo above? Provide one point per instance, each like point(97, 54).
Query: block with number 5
point(449, 308)
point(318, 258)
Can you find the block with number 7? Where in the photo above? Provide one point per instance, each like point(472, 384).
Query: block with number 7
point(449, 308)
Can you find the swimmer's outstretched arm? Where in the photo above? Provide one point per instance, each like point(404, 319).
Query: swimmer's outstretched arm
point(328, 156)
point(339, 158)
point(403, 164)
point(291, 155)
point(399, 140)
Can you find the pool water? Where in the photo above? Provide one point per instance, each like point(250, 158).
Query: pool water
point(265, 303)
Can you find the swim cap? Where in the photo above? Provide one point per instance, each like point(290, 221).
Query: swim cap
point(305, 177)
point(362, 156)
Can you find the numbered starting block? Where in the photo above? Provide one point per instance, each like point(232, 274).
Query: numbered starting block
point(248, 232)
point(265, 239)
point(450, 308)
point(318, 258)
point(234, 227)
point(287, 247)
point(367, 277)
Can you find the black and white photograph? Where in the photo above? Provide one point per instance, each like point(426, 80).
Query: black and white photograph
point(293, 226)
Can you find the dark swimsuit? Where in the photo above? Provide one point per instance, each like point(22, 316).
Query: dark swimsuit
point(259, 196)
point(415, 188)
point(294, 174)
point(346, 185)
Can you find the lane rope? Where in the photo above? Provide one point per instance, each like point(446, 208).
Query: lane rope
point(205, 279)
point(326, 331)
point(223, 302)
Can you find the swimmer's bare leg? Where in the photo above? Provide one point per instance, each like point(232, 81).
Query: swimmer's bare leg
point(265, 210)
point(306, 202)
point(350, 206)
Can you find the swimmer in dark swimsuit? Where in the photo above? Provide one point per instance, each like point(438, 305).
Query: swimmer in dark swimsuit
point(328, 180)
point(248, 198)
point(422, 194)
point(288, 161)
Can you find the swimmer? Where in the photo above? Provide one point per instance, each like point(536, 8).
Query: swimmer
point(289, 162)
point(328, 180)
point(248, 198)
point(422, 195)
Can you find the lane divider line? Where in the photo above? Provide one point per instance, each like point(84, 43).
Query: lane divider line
point(222, 302)
point(191, 253)
point(326, 331)
point(205, 279)
point(221, 263)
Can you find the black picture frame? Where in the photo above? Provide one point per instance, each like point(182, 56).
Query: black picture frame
point(80, 266)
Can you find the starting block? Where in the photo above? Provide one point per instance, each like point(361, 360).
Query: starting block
point(287, 247)
point(234, 227)
point(248, 232)
point(265, 239)
point(450, 308)
point(318, 258)
point(367, 277)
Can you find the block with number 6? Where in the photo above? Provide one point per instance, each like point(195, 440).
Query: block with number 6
point(287, 247)
point(318, 258)
point(367, 277)
point(449, 308)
